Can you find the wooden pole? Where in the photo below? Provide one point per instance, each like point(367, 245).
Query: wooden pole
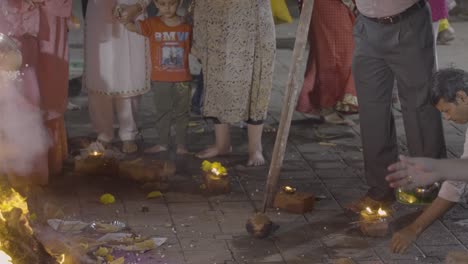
point(289, 103)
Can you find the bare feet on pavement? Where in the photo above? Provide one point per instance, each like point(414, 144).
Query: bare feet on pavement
point(256, 159)
point(213, 151)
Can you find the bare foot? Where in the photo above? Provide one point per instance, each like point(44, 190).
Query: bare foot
point(155, 149)
point(402, 239)
point(213, 151)
point(256, 159)
point(181, 150)
point(129, 146)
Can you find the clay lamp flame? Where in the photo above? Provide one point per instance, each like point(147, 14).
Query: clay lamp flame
point(370, 215)
point(289, 189)
point(95, 153)
point(215, 171)
point(215, 174)
point(382, 213)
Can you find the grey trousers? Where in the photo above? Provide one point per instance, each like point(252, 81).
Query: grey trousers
point(172, 101)
point(403, 51)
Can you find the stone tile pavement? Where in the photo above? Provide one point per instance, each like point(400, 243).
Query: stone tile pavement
point(203, 229)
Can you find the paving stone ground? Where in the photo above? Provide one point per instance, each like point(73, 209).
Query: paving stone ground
point(203, 229)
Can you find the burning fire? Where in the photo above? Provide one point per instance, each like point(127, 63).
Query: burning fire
point(10, 201)
point(4, 258)
point(61, 259)
point(13, 200)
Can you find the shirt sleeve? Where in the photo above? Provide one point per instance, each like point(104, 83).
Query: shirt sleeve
point(452, 191)
point(465, 147)
point(145, 27)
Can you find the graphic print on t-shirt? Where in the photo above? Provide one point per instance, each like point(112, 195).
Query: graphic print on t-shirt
point(172, 56)
point(170, 46)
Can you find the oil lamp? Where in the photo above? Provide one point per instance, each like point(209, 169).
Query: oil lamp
point(215, 177)
point(374, 223)
point(289, 189)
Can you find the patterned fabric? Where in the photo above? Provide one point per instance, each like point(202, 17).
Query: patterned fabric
point(328, 80)
point(235, 41)
point(117, 61)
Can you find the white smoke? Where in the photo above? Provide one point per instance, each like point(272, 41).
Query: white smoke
point(23, 137)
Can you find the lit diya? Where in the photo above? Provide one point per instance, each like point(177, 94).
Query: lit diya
point(374, 223)
point(216, 177)
point(289, 189)
point(95, 154)
point(289, 199)
point(94, 162)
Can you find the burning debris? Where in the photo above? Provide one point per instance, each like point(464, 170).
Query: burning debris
point(17, 240)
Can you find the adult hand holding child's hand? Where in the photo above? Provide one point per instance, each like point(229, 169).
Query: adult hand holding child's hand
point(126, 13)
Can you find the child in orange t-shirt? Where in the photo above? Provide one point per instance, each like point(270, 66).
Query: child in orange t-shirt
point(169, 38)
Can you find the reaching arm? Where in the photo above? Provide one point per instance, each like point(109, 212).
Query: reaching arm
point(402, 239)
point(413, 172)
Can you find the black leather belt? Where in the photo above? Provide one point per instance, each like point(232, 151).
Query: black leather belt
point(399, 17)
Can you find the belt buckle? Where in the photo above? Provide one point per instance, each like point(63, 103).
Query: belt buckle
point(387, 20)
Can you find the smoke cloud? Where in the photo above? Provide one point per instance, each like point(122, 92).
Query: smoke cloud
point(24, 141)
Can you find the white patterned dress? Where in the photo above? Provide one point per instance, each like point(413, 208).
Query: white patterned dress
point(116, 60)
point(235, 41)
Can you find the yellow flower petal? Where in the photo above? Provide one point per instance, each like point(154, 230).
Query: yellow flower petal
point(107, 199)
point(155, 194)
point(206, 165)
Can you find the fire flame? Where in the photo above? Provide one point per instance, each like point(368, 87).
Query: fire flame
point(9, 200)
point(4, 258)
point(95, 153)
point(382, 213)
point(289, 189)
point(61, 259)
point(215, 171)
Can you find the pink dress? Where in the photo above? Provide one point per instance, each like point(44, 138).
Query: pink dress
point(53, 75)
point(21, 99)
point(328, 81)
